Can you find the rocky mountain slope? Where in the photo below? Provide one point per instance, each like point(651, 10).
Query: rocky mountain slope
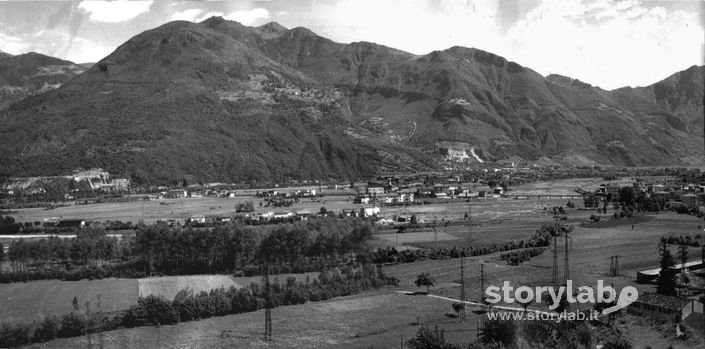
point(220, 101)
point(32, 73)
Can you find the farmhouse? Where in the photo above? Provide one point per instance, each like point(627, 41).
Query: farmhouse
point(362, 200)
point(371, 211)
point(198, 219)
point(282, 215)
point(71, 223)
point(303, 214)
point(662, 307)
point(175, 194)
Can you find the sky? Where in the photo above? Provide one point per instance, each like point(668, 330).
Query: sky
point(608, 43)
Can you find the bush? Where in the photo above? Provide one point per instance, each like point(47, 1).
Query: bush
point(14, 335)
point(151, 310)
point(72, 325)
point(47, 330)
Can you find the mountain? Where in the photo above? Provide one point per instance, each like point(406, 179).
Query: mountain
point(217, 100)
point(32, 73)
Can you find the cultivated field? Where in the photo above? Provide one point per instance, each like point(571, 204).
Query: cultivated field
point(180, 209)
point(169, 286)
point(37, 299)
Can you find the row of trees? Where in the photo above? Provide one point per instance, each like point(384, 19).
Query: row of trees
point(90, 247)
point(161, 249)
point(541, 238)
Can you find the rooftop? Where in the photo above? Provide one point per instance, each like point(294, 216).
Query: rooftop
point(663, 301)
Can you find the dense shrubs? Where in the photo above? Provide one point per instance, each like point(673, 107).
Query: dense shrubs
point(151, 310)
point(518, 257)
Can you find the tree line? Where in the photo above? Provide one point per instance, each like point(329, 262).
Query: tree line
point(159, 249)
point(541, 238)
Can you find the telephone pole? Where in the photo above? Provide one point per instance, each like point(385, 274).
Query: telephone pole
point(482, 282)
point(462, 291)
point(268, 307)
point(614, 265)
point(566, 270)
point(555, 257)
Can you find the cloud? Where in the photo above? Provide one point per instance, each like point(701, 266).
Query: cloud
point(608, 43)
point(417, 26)
point(114, 11)
point(187, 15)
point(248, 17)
point(603, 42)
point(55, 43)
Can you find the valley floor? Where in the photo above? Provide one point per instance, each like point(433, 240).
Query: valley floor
point(383, 318)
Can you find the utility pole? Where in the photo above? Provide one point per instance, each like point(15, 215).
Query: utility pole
point(566, 270)
point(614, 265)
point(462, 291)
point(555, 257)
point(482, 282)
point(435, 235)
point(268, 307)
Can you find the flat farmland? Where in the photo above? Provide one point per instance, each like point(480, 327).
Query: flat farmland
point(36, 299)
point(376, 319)
point(32, 300)
point(410, 238)
point(169, 286)
point(381, 318)
point(451, 209)
point(565, 186)
point(178, 209)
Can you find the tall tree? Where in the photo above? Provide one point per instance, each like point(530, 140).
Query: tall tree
point(666, 282)
point(425, 279)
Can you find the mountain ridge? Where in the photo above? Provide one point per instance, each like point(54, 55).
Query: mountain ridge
point(177, 92)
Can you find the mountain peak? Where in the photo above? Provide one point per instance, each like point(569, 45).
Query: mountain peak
point(271, 30)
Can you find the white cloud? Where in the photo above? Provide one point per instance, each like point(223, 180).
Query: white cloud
point(187, 15)
point(12, 44)
point(114, 11)
point(607, 43)
point(248, 17)
point(56, 44)
point(603, 42)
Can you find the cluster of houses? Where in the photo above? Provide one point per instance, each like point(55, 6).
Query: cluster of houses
point(279, 215)
point(689, 195)
point(392, 191)
point(663, 307)
point(181, 193)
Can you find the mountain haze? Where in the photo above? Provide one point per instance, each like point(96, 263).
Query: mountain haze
point(217, 100)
